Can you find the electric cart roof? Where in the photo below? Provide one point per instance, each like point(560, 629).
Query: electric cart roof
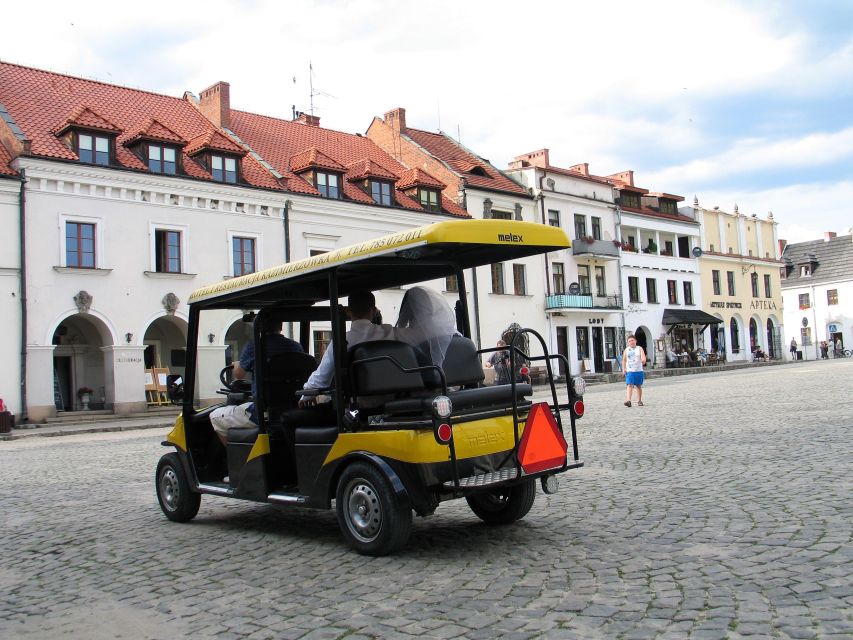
point(420, 254)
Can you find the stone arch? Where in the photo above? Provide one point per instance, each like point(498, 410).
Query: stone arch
point(165, 339)
point(79, 341)
point(737, 338)
point(235, 337)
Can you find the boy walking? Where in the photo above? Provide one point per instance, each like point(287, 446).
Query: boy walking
point(633, 359)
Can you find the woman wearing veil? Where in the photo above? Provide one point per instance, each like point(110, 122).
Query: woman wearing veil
point(429, 320)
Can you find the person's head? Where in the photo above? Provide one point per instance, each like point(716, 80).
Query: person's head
point(632, 340)
point(501, 343)
point(361, 305)
point(271, 325)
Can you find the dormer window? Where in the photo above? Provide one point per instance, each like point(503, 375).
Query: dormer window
point(328, 184)
point(668, 206)
point(429, 199)
point(93, 149)
point(380, 191)
point(805, 270)
point(162, 159)
point(223, 169)
point(629, 199)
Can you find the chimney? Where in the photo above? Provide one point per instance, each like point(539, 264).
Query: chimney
point(396, 119)
point(307, 119)
point(582, 168)
point(626, 177)
point(829, 235)
point(534, 158)
point(215, 104)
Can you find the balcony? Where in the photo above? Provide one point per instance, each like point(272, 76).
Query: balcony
point(604, 249)
point(567, 302)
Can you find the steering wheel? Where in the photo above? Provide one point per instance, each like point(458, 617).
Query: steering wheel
point(234, 386)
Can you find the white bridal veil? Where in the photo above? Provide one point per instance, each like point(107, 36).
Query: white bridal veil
point(427, 314)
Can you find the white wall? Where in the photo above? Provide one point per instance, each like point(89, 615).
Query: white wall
point(10, 295)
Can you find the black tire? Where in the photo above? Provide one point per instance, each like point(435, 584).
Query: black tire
point(177, 499)
point(374, 520)
point(503, 505)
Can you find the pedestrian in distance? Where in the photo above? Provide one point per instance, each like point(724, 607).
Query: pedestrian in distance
point(633, 359)
point(793, 348)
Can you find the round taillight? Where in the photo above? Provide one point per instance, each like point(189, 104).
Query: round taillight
point(443, 433)
point(578, 408)
point(524, 371)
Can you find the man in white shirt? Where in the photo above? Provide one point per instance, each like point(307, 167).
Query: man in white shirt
point(633, 359)
point(361, 308)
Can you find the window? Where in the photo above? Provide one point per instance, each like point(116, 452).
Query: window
point(162, 159)
point(806, 270)
point(380, 192)
point(609, 342)
point(651, 290)
point(711, 248)
point(243, 255)
point(501, 215)
point(667, 248)
point(805, 303)
point(498, 278)
point(583, 278)
point(596, 228)
point(519, 280)
point(328, 184)
point(730, 281)
point(633, 289)
point(754, 282)
point(429, 199)
point(767, 293)
point(451, 283)
point(668, 206)
point(735, 336)
point(631, 241)
point(559, 277)
point(831, 296)
point(672, 290)
point(167, 251)
point(223, 169)
point(688, 292)
point(322, 339)
point(583, 342)
point(553, 217)
point(600, 283)
point(93, 149)
point(80, 245)
point(715, 282)
point(580, 226)
point(630, 200)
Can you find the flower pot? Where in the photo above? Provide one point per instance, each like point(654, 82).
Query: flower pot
point(85, 399)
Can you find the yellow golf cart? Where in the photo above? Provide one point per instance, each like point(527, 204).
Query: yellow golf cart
point(399, 434)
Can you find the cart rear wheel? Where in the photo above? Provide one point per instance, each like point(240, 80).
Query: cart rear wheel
point(374, 520)
point(177, 500)
point(503, 505)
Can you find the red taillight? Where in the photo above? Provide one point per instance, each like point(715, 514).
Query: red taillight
point(578, 408)
point(443, 433)
point(524, 371)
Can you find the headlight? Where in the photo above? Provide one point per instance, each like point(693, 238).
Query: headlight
point(442, 406)
point(579, 385)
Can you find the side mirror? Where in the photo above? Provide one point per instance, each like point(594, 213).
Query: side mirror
point(175, 388)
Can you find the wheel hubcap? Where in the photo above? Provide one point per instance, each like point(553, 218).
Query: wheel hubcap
point(364, 513)
point(169, 489)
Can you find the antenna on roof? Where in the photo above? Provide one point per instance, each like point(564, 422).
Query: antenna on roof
point(438, 107)
point(458, 134)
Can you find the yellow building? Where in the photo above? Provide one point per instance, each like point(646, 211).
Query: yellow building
point(739, 272)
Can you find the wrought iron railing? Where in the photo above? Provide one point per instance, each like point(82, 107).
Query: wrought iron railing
point(583, 301)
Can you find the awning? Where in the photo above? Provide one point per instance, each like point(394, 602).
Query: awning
point(689, 316)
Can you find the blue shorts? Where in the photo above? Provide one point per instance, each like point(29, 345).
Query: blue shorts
point(635, 378)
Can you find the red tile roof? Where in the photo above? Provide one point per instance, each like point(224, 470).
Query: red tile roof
point(278, 141)
point(648, 211)
point(418, 178)
point(87, 118)
point(311, 158)
point(152, 129)
point(214, 141)
point(41, 102)
point(368, 168)
point(461, 160)
point(6, 163)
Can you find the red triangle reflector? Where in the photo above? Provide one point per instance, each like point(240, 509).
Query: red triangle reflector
point(542, 444)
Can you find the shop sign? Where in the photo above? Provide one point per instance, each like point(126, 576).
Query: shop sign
point(727, 305)
point(833, 328)
point(762, 304)
point(596, 321)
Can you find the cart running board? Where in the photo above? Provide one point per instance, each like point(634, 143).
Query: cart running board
point(484, 479)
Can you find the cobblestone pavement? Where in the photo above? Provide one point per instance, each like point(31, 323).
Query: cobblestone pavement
point(721, 509)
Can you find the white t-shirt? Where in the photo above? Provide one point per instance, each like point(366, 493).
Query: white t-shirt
point(633, 360)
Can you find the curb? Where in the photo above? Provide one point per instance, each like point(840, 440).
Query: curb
point(43, 432)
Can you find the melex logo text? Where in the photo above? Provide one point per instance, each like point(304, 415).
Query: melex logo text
point(510, 237)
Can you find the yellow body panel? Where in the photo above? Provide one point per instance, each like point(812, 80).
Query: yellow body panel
point(494, 232)
point(260, 448)
point(471, 439)
point(178, 436)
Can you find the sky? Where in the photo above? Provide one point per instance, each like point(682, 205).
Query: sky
point(731, 102)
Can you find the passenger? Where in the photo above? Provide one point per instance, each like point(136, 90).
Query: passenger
point(431, 320)
point(244, 415)
point(362, 311)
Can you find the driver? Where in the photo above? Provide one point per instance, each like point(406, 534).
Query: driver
point(243, 415)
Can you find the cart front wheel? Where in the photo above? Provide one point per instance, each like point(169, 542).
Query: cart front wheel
point(177, 500)
point(374, 520)
point(503, 505)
